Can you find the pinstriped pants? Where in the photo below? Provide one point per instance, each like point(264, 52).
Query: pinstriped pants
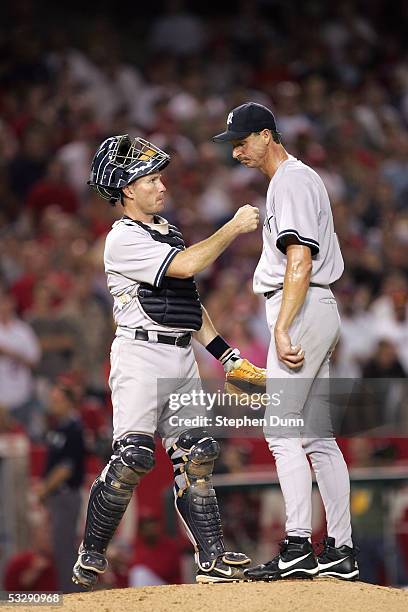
point(304, 394)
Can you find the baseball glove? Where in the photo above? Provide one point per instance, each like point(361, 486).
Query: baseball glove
point(245, 378)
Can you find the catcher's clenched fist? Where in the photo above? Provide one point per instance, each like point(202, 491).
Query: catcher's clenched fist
point(246, 219)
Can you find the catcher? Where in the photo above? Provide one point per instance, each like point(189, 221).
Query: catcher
point(157, 310)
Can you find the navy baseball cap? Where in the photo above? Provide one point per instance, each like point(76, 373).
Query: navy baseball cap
point(245, 119)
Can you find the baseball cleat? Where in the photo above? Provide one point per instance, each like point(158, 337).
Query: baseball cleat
point(338, 562)
point(295, 560)
point(83, 577)
point(228, 567)
point(87, 568)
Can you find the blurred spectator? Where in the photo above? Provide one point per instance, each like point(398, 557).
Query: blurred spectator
point(395, 168)
point(117, 574)
point(345, 24)
point(8, 425)
point(239, 334)
point(215, 199)
point(106, 84)
point(84, 312)
point(177, 31)
point(370, 511)
point(385, 401)
point(51, 190)
point(98, 428)
point(240, 509)
point(33, 569)
point(76, 156)
point(357, 333)
point(157, 558)
point(391, 315)
point(19, 353)
point(60, 488)
point(384, 363)
point(59, 337)
point(234, 457)
point(29, 164)
point(292, 120)
point(30, 272)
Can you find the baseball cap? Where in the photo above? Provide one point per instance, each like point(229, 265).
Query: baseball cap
point(245, 119)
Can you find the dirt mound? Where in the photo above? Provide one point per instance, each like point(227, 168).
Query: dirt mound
point(322, 595)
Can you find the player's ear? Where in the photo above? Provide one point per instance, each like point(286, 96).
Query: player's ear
point(266, 135)
point(127, 191)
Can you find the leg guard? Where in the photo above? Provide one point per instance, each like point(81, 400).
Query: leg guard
point(193, 457)
point(110, 495)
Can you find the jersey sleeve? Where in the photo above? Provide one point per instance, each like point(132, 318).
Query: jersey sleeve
point(138, 257)
point(297, 213)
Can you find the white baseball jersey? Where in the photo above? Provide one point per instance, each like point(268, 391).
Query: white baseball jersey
point(132, 257)
point(16, 380)
point(297, 204)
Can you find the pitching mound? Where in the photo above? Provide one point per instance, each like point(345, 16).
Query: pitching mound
point(323, 595)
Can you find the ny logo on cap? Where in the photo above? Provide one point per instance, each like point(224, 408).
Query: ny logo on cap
point(229, 118)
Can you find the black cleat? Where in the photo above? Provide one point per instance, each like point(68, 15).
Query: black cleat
point(338, 562)
point(295, 560)
point(228, 567)
point(83, 577)
point(87, 568)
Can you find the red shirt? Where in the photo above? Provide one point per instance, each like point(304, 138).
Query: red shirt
point(22, 290)
point(44, 194)
point(17, 565)
point(163, 558)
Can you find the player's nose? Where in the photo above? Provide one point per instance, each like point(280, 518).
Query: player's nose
point(162, 187)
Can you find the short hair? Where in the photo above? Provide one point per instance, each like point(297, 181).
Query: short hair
point(277, 136)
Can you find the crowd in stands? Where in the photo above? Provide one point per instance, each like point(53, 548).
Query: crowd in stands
point(335, 75)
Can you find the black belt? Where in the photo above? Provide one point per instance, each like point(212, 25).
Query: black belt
point(269, 294)
point(183, 341)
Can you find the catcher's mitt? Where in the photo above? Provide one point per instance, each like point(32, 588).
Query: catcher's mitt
point(246, 378)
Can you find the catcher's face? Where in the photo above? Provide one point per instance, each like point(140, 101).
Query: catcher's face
point(145, 197)
point(251, 151)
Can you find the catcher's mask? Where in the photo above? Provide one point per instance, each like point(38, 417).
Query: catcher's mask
point(120, 160)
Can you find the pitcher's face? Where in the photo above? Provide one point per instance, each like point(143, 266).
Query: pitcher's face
point(250, 151)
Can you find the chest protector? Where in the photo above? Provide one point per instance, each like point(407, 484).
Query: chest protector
point(177, 302)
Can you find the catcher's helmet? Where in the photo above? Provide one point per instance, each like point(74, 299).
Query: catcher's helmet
point(120, 160)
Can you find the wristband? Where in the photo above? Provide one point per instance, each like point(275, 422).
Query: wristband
point(217, 347)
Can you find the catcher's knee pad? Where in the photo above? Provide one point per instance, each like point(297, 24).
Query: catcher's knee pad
point(193, 457)
point(111, 492)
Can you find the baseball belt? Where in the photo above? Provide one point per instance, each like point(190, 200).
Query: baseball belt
point(269, 294)
point(183, 341)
